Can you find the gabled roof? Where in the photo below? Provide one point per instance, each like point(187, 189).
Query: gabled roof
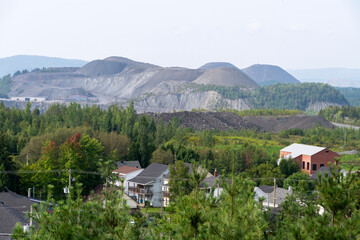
point(134, 164)
point(12, 210)
point(209, 181)
point(126, 169)
point(281, 193)
point(150, 174)
point(267, 188)
point(297, 149)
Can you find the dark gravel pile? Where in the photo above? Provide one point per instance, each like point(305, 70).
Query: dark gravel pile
point(226, 120)
point(276, 124)
point(206, 120)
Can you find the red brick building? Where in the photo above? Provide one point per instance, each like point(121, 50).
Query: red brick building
point(310, 158)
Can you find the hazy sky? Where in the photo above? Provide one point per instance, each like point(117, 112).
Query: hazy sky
point(290, 33)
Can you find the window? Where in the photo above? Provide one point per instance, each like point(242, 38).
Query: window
point(303, 165)
point(307, 166)
point(321, 165)
point(314, 167)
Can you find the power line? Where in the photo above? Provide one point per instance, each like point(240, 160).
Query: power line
point(49, 171)
point(146, 177)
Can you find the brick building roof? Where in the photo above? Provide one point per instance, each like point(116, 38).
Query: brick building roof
point(297, 149)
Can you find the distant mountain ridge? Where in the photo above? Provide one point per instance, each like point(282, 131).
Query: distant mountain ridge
point(10, 65)
point(337, 77)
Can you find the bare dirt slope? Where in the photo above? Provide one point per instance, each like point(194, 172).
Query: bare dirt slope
point(276, 124)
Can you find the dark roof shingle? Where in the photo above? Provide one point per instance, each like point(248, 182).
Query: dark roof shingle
point(267, 188)
point(151, 173)
point(13, 208)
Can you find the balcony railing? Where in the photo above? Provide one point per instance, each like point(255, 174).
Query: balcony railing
point(146, 192)
point(166, 194)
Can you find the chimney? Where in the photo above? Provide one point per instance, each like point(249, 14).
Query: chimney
point(215, 173)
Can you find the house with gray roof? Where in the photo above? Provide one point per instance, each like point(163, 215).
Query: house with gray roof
point(146, 187)
point(210, 181)
point(267, 193)
point(134, 164)
point(13, 209)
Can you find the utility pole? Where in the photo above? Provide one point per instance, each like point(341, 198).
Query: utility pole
point(69, 179)
point(31, 213)
point(162, 196)
point(27, 159)
point(345, 138)
point(274, 192)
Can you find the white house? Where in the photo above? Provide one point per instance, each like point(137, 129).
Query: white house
point(267, 192)
point(127, 173)
point(146, 187)
point(209, 182)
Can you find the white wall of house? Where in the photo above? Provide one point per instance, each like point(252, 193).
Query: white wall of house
point(218, 191)
point(166, 188)
point(157, 191)
point(127, 177)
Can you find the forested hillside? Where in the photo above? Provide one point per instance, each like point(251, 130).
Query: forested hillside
point(5, 85)
point(351, 94)
point(296, 96)
point(350, 115)
point(283, 96)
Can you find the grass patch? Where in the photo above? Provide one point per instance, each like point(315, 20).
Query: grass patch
point(350, 160)
point(152, 210)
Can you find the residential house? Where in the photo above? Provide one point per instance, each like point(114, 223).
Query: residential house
point(126, 173)
point(212, 181)
point(134, 164)
point(208, 183)
point(267, 193)
point(165, 188)
point(146, 186)
point(310, 158)
point(13, 208)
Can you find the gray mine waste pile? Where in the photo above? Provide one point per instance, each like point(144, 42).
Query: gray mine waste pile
point(206, 120)
point(228, 120)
